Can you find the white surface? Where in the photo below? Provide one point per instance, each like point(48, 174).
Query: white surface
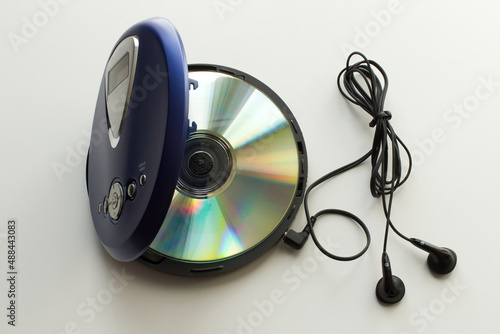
point(436, 54)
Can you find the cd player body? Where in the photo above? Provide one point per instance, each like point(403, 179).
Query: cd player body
point(170, 194)
point(142, 108)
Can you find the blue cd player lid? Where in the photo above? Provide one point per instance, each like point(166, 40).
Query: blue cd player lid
point(138, 137)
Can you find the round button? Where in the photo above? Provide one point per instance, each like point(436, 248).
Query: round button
point(131, 189)
point(105, 206)
point(142, 179)
point(115, 199)
point(99, 208)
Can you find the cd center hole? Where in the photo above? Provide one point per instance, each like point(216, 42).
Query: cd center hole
point(201, 163)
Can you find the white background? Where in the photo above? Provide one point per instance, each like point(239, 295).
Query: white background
point(440, 56)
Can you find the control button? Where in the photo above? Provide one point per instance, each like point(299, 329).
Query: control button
point(142, 179)
point(99, 208)
point(115, 200)
point(131, 189)
point(105, 206)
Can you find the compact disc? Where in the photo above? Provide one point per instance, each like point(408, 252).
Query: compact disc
point(242, 175)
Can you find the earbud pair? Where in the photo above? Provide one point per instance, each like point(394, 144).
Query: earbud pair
point(391, 289)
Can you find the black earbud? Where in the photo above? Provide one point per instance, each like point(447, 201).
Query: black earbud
point(441, 260)
point(390, 289)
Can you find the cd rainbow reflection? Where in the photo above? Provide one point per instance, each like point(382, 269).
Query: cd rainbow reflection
point(255, 199)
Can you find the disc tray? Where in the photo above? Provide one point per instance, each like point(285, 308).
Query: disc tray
point(241, 180)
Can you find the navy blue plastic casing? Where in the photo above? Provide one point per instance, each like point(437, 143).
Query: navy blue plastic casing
point(152, 142)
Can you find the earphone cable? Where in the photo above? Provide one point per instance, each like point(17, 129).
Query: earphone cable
point(359, 84)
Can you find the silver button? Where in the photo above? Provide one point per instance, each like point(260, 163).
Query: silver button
point(105, 206)
point(131, 189)
point(142, 179)
point(99, 208)
point(115, 199)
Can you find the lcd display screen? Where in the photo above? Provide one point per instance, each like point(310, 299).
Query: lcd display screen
point(118, 73)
